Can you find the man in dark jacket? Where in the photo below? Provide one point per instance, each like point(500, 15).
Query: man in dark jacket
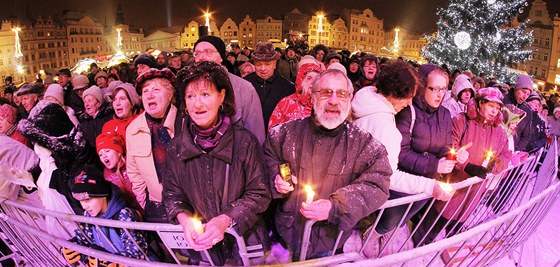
point(526, 130)
point(271, 86)
point(71, 98)
point(346, 167)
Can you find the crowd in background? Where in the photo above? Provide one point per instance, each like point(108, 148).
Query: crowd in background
point(177, 136)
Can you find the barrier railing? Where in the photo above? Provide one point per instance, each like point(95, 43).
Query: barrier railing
point(504, 212)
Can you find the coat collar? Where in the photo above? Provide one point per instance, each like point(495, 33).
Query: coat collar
point(187, 149)
point(169, 122)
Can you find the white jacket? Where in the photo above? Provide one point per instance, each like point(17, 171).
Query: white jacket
point(375, 114)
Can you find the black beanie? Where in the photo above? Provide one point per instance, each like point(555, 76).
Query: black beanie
point(90, 183)
point(216, 42)
point(146, 59)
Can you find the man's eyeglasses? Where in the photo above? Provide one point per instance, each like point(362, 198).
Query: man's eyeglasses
point(437, 90)
point(204, 52)
point(327, 93)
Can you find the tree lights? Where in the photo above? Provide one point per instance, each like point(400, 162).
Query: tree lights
point(477, 35)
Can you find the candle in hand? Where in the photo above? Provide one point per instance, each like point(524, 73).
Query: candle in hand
point(489, 155)
point(446, 187)
point(310, 194)
point(197, 225)
point(452, 155)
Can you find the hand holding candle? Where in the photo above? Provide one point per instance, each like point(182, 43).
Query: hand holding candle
point(197, 225)
point(452, 155)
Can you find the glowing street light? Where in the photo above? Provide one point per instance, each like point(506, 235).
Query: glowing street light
point(19, 69)
point(17, 53)
point(320, 16)
point(207, 17)
point(396, 41)
point(119, 39)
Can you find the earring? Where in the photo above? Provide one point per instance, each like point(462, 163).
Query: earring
point(187, 112)
point(221, 108)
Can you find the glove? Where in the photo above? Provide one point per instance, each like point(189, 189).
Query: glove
point(476, 170)
point(71, 256)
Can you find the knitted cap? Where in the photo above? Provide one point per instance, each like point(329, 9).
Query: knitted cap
point(100, 74)
point(214, 41)
point(337, 66)
point(80, 81)
point(133, 96)
point(533, 96)
point(110, 140)
point(96, 92)
point(8, 112)
point(491, 94)
point(524, 82)
point(56, 91)
point(264, 52)
point(146, 59)
point(90, 183)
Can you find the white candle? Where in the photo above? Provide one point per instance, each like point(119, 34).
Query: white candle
point(446, 187)
point(487, 159)
point(310, 194)
point(197, 224)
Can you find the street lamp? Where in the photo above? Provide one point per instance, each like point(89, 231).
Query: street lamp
point(207, 16)
point(119, 40)
point(320, 16)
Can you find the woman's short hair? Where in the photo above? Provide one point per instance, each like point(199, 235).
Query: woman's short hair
point(213, 73)
point(397, 79)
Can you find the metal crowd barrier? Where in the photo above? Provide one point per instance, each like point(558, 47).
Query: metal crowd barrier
point(508, 208)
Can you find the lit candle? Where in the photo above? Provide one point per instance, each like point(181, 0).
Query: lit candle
point(446, 187)
point(452, 155)
point(489, 155)
point(310, 194)
point(197, 224)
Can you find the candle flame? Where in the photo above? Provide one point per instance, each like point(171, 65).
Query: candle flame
point(197, 225)
point(446, 187)
point(452, 151)
point(490, 153)
point(308, 189)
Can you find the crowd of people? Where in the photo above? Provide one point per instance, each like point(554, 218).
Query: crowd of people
point(184, 137)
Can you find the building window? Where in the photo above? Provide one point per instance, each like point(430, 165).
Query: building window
point(545, 56)
point(538, 13)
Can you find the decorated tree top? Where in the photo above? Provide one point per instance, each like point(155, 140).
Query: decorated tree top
point(478, 35)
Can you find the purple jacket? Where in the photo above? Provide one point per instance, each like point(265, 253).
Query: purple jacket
point(430, 139)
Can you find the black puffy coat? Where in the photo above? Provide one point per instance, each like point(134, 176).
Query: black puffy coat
point(92, 127)
point(430, 140)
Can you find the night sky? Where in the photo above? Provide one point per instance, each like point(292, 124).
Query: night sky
point(415, 15)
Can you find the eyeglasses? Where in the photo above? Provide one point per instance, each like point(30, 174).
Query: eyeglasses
point(204, 52)
point(438, 90)
point(327, 93)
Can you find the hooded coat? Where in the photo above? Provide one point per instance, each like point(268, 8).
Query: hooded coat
point(484, 135)
point(526, 130)
point(376, 115)
point(89, 235)
point(346, 166)
point(429, 141)
point(296, 105)
point(452, 103)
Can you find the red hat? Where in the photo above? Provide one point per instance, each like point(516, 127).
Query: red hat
point(110, 140)
point(9, 113)
point(491, 94)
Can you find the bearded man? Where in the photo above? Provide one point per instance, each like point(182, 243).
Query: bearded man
point(346, 167)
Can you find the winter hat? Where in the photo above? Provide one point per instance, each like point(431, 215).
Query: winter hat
point(524, 82)
point(96, 92)
point(146, 59)
point(80, 81)
point(264, 52)
point(48, 80)
point(29, 88)
point(331, 55)
point(110, 140)
point(461, 83)
point(153, 73)
point(49, 126)
point(556, 109)
point(214, 41)
point(134, 98)
point(100, 74)
point(337, 66)
point(533, 96)
point(64, 72)
point(491, 94)
point(8, 113)
point(308, 59)
point(56, 91)
point(90, 183)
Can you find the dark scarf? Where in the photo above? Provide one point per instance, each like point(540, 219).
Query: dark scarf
point(209, 138)
point(160, 143)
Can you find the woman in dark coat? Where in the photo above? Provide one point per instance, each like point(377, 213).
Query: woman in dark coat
point(215, 168)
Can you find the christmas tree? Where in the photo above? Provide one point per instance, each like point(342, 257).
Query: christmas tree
point(478, 35)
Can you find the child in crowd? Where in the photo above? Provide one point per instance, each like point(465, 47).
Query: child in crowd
point(110, 148)
point(101, 199)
